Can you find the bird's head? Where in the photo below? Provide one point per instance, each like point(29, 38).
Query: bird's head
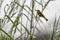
point(38, 11)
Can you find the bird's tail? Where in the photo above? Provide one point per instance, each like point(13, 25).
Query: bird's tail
point(45, 18)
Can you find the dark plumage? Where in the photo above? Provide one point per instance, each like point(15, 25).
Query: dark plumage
point(41, 15)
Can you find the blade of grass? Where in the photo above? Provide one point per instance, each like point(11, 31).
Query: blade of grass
point(6, 33)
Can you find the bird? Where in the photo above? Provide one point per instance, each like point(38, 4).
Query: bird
point(39, 13)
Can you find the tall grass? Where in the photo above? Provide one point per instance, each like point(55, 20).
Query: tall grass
point(18, 20)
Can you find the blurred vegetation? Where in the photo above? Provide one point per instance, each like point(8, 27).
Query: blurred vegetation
point(15, 8)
